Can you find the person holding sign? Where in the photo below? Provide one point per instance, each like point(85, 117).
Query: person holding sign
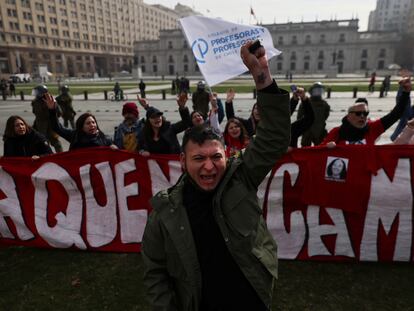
point(206, 245)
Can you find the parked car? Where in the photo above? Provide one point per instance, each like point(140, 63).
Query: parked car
point(20, 77)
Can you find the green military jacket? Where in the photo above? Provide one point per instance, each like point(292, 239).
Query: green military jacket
point(172, 274)
point(65, 103)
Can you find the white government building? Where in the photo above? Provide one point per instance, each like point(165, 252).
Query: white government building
point(320, 47)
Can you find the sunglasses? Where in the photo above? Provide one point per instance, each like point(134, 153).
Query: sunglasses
point(360, 113)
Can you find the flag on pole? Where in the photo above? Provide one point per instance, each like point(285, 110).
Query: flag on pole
point(252, 13)
point(216, 45)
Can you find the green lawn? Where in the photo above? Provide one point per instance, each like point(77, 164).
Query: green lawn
point(35, 279)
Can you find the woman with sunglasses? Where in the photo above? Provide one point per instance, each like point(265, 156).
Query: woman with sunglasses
point(357, 129)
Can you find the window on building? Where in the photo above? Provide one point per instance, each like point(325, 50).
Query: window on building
point(321, 55)
point(142, 60)
point(320, 65)
point(363, 65)
point(170, 59)
point(341, 54)
point(342, 37)
point(154, 58)
point(294, 40)
point(382, 53)
point(279, 66)
point(185, 58)
point(154, 68)
point(27, 15)
point(280, 40)
point(322, 38)
point(185, 67)
point(31, 40)
point(364, 54)
point(11, 13)
point(171, 70)
point(306, 65)
point(51, 9)
point(29, 28)
point(293, 55)
point(25, 3)
point(170, 45)
point(381, 64)
point(308, 39)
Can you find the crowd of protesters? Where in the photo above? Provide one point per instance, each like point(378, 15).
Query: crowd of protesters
point(156, 135)
point(209, 272)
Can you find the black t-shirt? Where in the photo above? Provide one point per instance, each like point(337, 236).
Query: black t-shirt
point(224, 286)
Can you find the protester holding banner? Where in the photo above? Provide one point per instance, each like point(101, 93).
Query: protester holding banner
point(158, 135)
point(301, 125)
point(250, 123)
point(357, 129)
point(206, 245)
point(235, 137)
point(127, 133)
point(20, 140)
point(86, 133)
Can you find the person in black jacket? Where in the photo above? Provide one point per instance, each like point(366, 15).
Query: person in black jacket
point(86, 133)
point(159, 136)
point(20, 140)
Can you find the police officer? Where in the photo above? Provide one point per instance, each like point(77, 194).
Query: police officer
point(64, 100)
point(41, 112)
point(317, 132)
point(201, 99)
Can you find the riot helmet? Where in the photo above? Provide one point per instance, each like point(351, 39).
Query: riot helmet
point(64, 89)
point(317, 89)
point(39, 91)
point(201, 85)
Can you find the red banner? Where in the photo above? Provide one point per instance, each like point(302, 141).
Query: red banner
point(349, 203)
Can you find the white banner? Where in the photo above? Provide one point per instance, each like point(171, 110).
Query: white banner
point(216, 45)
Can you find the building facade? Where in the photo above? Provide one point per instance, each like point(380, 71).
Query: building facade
point(391, 15)
point(76, 37)
point(308, 48)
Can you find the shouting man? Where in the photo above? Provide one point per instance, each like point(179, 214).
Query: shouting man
point(206, 245)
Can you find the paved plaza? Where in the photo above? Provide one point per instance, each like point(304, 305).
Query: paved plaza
point(108, 113)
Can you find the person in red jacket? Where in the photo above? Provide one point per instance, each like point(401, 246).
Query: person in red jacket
point(358, 130)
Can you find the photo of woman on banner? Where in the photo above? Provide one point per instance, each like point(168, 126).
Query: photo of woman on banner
point(336, 169)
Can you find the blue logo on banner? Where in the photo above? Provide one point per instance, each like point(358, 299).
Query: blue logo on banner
point(200, 49)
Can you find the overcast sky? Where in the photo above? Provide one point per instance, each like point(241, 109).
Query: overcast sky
point(270, 11)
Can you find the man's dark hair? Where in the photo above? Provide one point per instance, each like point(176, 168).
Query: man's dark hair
point(361, 100)
point(199, 134)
